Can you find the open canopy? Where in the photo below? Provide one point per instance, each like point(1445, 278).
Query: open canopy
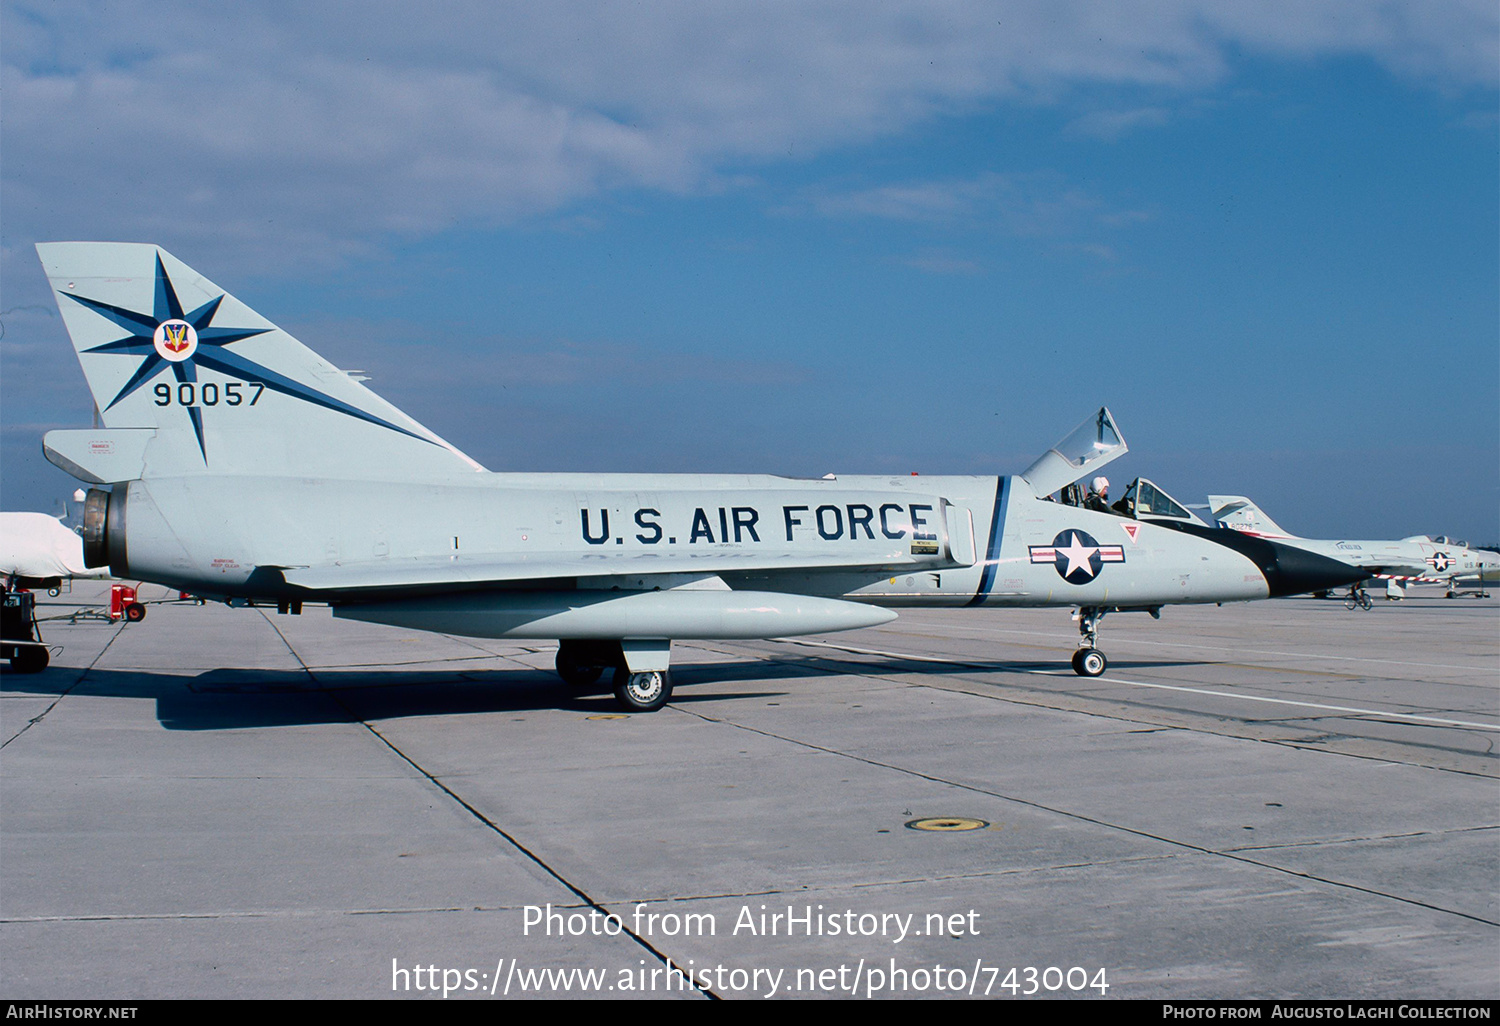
point(1086, 448)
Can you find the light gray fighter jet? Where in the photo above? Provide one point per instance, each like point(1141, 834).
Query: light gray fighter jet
point(243, 466)
point(1419, 558)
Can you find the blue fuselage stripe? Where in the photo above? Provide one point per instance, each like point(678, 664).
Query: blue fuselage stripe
point(997, 535)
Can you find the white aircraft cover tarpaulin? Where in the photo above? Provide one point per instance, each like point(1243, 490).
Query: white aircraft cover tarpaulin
point(38, 545)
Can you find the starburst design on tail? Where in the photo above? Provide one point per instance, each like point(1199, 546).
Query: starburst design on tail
point(169, 337)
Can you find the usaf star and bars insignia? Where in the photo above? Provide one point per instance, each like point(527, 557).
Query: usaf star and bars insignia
point(1077, 556)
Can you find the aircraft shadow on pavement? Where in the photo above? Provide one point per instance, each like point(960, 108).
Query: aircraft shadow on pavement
point(226, 699)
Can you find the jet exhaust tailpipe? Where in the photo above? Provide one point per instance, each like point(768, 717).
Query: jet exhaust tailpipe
point(104, 530)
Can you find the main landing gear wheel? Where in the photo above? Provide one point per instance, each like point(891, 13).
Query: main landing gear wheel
point(642, 692)
point(574, 667)
point(1089, 662)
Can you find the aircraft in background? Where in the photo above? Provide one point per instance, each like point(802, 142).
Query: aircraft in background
point(37, 550)
point(1399, 563)
point(241, 465)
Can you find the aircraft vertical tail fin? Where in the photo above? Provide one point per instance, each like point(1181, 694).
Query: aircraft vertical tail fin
point(194, 381)
point(1240, 514)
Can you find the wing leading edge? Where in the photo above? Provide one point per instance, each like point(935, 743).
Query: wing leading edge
point(462, 572)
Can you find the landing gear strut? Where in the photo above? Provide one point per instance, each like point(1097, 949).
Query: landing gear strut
point(1088, 661)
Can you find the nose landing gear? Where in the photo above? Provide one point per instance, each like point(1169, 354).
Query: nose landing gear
point(1088, 661)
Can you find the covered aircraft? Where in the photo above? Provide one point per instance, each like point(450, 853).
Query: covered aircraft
point(236, 463)
point(39, 551)
point(1418, 558)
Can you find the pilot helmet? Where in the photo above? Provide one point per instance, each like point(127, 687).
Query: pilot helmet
point(1099, 485)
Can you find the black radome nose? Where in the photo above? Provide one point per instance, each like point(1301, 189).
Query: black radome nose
point(1287, 569)
point(1295, 571)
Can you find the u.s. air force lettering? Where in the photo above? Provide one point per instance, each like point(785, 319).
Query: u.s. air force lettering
point(1077, 556)
point(708, 525)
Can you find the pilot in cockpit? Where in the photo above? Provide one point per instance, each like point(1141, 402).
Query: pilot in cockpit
point(1098, 497)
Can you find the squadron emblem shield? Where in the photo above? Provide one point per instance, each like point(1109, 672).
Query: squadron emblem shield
point(175, 340)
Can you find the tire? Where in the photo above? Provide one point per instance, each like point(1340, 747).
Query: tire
point(135, 612)
point(30, 659)
point(642, 692)
point(1089, 662)
point(574, 669)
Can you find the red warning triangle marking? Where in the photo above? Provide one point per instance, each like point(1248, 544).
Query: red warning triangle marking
point(1132, 530)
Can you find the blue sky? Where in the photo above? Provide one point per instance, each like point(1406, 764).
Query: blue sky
point(805, 238)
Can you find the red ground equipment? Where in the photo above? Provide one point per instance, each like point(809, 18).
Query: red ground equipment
point(122, 603)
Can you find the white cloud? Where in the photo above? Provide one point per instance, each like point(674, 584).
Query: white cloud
point(322, 129)
point(942, 261)
point(1112, 124)
point(1035, 205)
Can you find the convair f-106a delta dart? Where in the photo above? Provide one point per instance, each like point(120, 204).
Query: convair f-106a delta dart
point(1411, 560)
point(238, 464)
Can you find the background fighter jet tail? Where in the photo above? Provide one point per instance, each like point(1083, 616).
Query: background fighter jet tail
point(189, 380)
point(1240, 514)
